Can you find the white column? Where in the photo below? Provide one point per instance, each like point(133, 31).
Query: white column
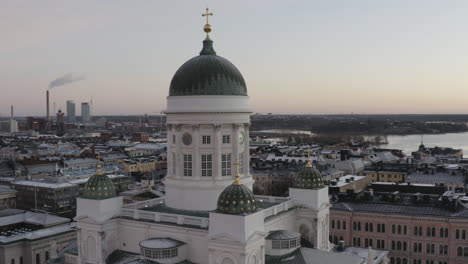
point(246, 150)
point(217, 153)
point(196, 166)
point(235, 150)
point(179, 159)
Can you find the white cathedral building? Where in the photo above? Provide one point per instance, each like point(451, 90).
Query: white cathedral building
point(209, 214)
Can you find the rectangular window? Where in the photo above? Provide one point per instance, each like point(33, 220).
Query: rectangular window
point(206, 140)
point(207, 165)
point(173, 139)
point(187, 165)
point(226, 164)
point(226, 139)
point(173, 163)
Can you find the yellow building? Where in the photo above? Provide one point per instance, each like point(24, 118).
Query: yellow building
point(146, 164)
point(385, 176)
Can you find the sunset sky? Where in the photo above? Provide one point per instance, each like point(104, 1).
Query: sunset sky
point(307, 57)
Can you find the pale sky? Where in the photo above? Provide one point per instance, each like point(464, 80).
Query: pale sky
point(307, 57)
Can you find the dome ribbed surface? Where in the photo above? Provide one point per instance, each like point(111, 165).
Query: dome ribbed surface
point(236, 200)
point(207, 74)
point(99, 187)
point(309, 178)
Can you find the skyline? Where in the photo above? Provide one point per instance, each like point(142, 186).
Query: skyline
point(328, 58)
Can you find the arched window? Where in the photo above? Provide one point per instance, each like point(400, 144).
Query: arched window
point(420, 231)
point(367, 227)
point(12, 261)
point(21, 260)
point(441, 232)
point(338, 224)
point(405, 261)
point(47, 255)
point(428, 231)
point(415, 232)
point(398, 261)
point(404, 246)
point(393, 245)
point(465, 252)
point(405, 230)
point(459, 252)
point(344, 225)
point(446, 232)
point(457, 234)
point(433, 232)
point(392, 260)
point(415, 247)
point(398, 245)
point(341, 238)
point(38, 258)
point(399, 229)
point(333, 224)
point(463, 234)
point(371, 227)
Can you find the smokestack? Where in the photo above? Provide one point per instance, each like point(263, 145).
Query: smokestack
point(48, 113)
point(11, 112)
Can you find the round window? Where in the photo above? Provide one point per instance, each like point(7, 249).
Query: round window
point(187, 139)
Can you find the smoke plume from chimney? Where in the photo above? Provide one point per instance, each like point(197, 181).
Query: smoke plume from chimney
point(66, 79)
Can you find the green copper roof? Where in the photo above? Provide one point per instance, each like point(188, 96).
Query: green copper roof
point(207, 74)
point(236, 199)
point(309, 178)
point(99, 187)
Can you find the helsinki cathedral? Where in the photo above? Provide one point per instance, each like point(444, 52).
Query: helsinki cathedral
point(209, 214)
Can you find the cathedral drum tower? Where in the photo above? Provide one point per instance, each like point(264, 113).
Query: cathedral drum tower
point(208, 119)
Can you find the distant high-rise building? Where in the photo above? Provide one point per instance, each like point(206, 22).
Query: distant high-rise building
point(85, 112)
point(71, 111)
point(60, 127)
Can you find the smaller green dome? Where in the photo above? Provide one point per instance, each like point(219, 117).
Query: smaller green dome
point(237, 199)
point(99, 187)
point(309, 178)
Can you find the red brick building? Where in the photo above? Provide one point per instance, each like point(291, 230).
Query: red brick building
point(414, 234)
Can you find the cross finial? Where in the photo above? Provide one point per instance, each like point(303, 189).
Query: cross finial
point(309, 161)
point(237, 181)
point(99, 171)
point(207, 27)
point(207, 14)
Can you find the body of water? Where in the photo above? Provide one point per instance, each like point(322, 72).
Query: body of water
point(285, 131)
point(411, 143)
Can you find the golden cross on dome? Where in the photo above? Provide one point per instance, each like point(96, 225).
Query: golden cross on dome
point(237, 181)
point(99, 171)
point(207, 14)
point(309, 161)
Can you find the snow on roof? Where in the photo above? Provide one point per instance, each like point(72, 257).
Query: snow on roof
point(19, 216)
point(40, 233)
point(51, 185)
point(161, 243)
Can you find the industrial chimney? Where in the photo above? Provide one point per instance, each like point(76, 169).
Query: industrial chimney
point(48, 113)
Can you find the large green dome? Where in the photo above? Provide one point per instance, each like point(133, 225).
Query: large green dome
point(99, 187)
point(236, 199)
point(207, 74)
point(309, 178)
